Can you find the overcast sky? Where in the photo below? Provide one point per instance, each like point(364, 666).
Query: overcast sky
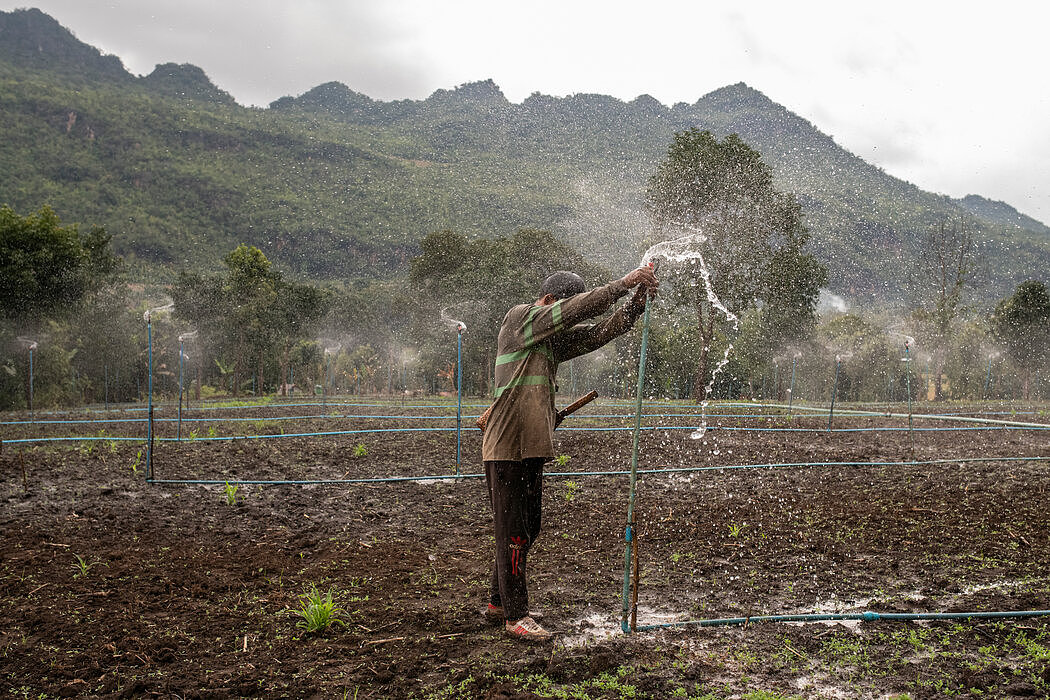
point(951, 96)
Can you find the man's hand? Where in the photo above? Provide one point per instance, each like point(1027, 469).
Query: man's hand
point(645, 276)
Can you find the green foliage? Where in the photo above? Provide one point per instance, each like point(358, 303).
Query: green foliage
point(247, 318)
point(476, 282)
point(230, 493)
point(753, 240)
point(318, 610)
point(1022, 324)
point(360, 451)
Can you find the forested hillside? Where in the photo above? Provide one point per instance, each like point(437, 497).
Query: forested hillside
point(334, 185)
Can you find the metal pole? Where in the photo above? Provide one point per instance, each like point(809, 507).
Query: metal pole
point(30, 384)
point(834, 390)
point(630, 594)
point(149, 411)
point(459, 395)
point(907, 365)
point(178, 432)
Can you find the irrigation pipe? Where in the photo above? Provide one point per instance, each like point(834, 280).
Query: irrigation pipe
point(927, 416)
point(654, 471)
point(365, 431)
point(833, 617)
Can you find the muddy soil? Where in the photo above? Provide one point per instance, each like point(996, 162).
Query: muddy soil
point(112, 587)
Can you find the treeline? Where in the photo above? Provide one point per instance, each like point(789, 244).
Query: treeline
point(248, 331)
point(736, 316)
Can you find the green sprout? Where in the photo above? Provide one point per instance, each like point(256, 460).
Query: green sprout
point(562, 460)
point(138, 461)
point(319, 611)
point(230, 491)
point(570, 490)
point(82, 566)
point(360, 450)
point(736, 530)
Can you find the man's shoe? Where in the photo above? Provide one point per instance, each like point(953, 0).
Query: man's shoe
point(528, 629)
point(493, 614)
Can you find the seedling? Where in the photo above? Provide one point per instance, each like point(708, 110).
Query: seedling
point(360, 451)
point(230, 491)
point(736, 530)
point(562, 460)
point(82, 566)
point(136, 463)
point(570, 490)
point(319, 611)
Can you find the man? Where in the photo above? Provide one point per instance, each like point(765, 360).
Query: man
point(519, 434)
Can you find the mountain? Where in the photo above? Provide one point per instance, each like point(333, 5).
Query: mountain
point(335, 184)
point(1001, 214)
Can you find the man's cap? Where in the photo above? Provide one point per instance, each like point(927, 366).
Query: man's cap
point(563, 284)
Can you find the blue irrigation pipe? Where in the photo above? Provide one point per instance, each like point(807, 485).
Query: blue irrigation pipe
point(867, 616)
point(661, 471)
point(630, 593)
point(459, 394)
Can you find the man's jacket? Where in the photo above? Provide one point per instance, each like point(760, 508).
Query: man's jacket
point(532, 341)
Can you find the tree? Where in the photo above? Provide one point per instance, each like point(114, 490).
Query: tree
point(753, 239)
point(945, 267)
point(477, 281)
point(250, 316)
point(1022, 323)
point(47, 268)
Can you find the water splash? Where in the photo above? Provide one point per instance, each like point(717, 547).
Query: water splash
point(148, 315)
point(452, 323)
point(27, 343)
point(189, 335)
point(687, 249)
point(678, 250)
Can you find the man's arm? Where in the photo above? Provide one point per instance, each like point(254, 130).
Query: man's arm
point(543, 321)
point(583, 339)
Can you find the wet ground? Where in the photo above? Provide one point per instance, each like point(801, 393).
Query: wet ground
point(113, 587)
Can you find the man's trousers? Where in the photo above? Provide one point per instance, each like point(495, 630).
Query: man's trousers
point(516, 495)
